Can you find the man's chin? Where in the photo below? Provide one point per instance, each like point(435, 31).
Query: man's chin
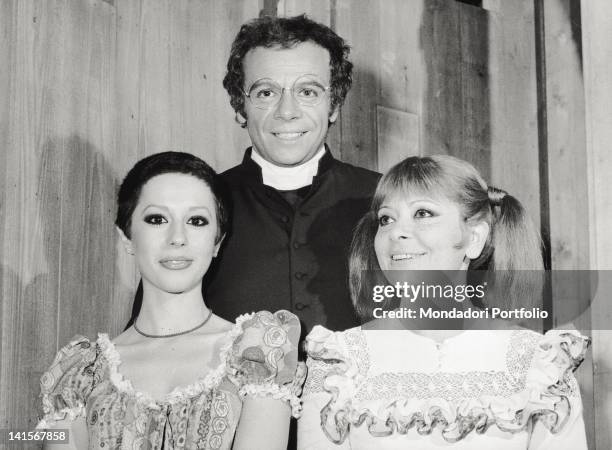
point(291, 157)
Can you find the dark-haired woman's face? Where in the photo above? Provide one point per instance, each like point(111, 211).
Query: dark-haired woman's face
point(173, 232)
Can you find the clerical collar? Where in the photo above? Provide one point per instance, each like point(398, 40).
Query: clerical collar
point(288, 178)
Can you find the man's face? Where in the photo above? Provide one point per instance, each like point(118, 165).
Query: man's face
point(288, 133)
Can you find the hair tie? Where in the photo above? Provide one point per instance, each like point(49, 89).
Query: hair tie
point(495, 195)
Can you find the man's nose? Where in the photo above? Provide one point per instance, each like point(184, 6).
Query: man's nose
point(177, 236)
point(288, 108)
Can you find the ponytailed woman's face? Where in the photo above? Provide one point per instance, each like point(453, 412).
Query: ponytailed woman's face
point(173, 232)
point(420, 232)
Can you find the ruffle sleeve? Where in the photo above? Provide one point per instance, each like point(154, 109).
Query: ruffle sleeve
point(538, 385)
point(331, 369)
point(263, 357)
point(66, 385)
point(554, 394)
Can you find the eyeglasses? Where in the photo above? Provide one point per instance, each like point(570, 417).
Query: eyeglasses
point(266, 93)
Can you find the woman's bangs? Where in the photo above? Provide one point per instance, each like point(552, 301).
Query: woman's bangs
point(414, 176)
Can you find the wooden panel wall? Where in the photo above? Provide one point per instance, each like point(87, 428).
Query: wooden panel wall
point(597, 64)
point(513, 102)
point(88, 87)
point(91, 86)
point(565, 152)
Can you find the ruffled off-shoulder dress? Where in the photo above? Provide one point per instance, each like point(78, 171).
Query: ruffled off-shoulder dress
point(477, 390)
point(260, 358)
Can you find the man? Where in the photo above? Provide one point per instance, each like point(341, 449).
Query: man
point(294, 205)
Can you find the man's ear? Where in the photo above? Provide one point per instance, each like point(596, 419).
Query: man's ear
point(240, 118)
point(334, 115)
point(218, 246)
point(477, 238)
point(127, 243)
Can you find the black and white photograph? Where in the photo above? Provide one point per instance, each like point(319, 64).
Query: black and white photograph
point(313, 225)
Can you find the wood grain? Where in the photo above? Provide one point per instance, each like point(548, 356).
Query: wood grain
point(28, 314)
point(318, 10)
point(567, 172)
point(92, 86)
point(597, 62)
point(513, 103)
point(354, 140)
point(398, 136)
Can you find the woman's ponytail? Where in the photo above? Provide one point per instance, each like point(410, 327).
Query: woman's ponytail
point(515, 241)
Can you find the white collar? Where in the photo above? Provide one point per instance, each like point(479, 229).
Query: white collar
point(288, 178)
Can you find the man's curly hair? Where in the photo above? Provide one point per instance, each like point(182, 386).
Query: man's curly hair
point(286, 32)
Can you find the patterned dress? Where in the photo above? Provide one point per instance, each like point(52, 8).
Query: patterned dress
point(259, 359)
point(395, 389)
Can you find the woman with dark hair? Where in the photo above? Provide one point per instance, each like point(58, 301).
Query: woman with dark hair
point(180, 377)
point(392, 384)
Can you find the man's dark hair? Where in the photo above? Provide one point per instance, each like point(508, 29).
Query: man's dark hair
point(286, 32)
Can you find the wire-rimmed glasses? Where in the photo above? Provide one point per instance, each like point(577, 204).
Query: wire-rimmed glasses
point(266, 93)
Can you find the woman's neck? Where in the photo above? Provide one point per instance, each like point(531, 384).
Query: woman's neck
point(165, 313)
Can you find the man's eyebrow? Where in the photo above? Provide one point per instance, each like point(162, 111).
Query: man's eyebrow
point(263, 81)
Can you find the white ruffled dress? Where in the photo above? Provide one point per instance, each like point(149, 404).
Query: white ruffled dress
point(503, 389)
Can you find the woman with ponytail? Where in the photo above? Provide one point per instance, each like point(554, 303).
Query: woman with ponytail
point(394, 383)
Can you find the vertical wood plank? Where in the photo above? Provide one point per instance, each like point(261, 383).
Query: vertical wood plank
point(317, 10)
point(401, 60)
point(353, 137)
point(402, 73)
point(567, 170)
point(456, 115)
point(30, 241)
point(442, 98)
point(398, 136)
point(513, 103)
point(81, 118)
point(597, 62)
point(566, 140)
point(224, 136)
point(475, 110)
point(129, 146)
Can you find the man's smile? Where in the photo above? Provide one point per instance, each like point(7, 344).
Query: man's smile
point(289, 136)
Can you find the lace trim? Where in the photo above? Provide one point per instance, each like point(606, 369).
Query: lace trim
point(520, 354)
point(358, 348)
point(455, 386)
point(542, 395)
point(275, 391)
point(181, 393)
point(50, 419)
point(319, 369)
point(70, 352)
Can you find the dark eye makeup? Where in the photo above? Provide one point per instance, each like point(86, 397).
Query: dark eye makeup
point(155, 219)
point(159, 219)
point(198, 221)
